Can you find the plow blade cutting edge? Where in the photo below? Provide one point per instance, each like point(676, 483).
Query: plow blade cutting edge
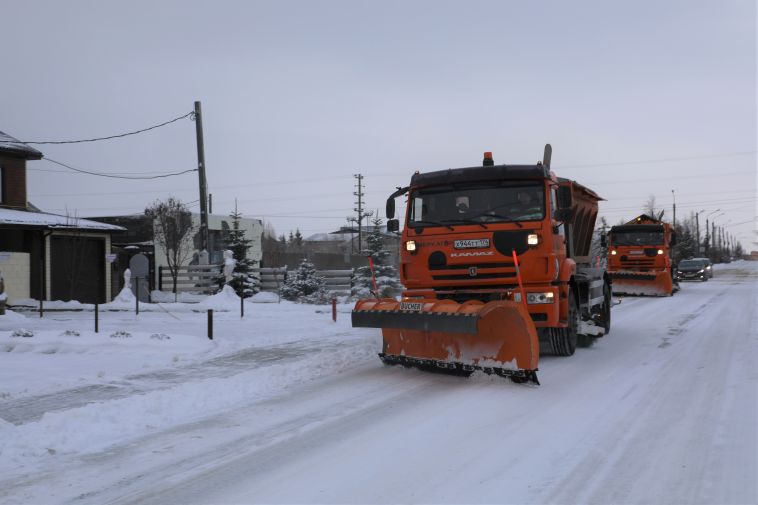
point(642, 283)
point(496, 337)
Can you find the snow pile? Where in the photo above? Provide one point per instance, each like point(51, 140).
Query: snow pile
point(11, 320)
point(265, 297)
point(223, 301)
point(125, 296)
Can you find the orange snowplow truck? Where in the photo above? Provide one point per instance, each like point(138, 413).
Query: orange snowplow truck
point(494, 261)
point(639, 257)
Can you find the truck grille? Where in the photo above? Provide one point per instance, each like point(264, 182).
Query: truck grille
point(637, 263)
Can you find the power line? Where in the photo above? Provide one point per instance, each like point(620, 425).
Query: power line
point(119, 176)
point(109, 137)
point(659, 160)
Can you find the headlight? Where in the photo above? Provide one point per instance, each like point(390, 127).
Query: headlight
point(532, 239)
point(410, 246)
point(708, 267)
point(535, 298)
point(660, 251)
point(613, 253)
point(701, 271)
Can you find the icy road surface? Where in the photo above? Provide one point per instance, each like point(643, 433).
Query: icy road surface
point(662, 410)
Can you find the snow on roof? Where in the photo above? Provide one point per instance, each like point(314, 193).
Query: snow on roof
point(14, 147)
point(328, 237)
point(52, 221)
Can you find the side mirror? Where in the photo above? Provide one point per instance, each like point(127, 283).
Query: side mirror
point(390, 208)
point(564, 197)
point(603, 240)
point(393, 224)
point(564, 215)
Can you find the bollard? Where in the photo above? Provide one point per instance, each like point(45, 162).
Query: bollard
point(334, 310)
point(136, 297)
point(242, 307)
point(210, 324)
point(97, 325)
point(40, 307)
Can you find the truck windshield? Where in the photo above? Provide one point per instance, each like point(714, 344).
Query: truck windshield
point(652, 238)
point(478, 203)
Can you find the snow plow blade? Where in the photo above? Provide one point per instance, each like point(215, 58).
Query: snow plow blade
point(642, 283)
point(496, 337)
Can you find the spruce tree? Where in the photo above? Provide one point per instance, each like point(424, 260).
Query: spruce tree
point(243, 282)
point(387, 281)
point(304, 285)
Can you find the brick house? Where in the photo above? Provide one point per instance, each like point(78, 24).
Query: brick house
point(47, 256)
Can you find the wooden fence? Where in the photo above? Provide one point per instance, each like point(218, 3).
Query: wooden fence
point(192, 278)
point(204, 279)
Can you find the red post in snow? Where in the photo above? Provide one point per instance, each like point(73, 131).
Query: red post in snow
point(518, 276)
point(334, 310)
point(373, 276)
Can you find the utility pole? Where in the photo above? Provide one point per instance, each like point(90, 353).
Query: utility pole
point(203, 182)
point(697, 226)
point(359, 210)
point(674, 197)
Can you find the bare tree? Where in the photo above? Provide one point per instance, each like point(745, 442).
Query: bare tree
point(172, 222)
point(651, 208)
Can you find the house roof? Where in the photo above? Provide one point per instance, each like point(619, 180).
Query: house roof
point(10, 218)
point(14, 147)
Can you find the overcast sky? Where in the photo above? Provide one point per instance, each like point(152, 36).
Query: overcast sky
point(298, 96)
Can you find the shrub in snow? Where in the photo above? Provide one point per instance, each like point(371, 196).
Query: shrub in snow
point(70, 333)
point(121, 334)
point(160, 336)
point(304, 285)
point(23, 332)
point(387, 280)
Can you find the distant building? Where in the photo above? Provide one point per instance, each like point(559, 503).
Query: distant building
point(47, 256)
point(140, 238)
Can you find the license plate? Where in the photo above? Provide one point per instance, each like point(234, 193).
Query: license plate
point(636, 253)
point(411, 306)
point(472, 243)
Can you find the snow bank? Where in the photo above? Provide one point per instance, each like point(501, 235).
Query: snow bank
point(225, 300)
point(265, 297)
point(11, 320)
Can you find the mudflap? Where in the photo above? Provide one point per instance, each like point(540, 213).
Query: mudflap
point(496, 337)
point(642, 283)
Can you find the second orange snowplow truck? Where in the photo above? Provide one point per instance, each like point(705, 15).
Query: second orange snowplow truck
point(494, 261)
point(639, 257)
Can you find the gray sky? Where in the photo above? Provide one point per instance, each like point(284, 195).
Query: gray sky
point(300, 95)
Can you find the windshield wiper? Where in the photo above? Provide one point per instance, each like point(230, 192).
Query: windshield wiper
point(433, 223)
point(489, 213)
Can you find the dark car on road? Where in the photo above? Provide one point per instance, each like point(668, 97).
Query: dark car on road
point(692, 270)
point(708, 266)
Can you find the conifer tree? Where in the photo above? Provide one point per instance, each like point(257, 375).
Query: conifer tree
point(304, 285)
point(387, 281)
point(243, 282)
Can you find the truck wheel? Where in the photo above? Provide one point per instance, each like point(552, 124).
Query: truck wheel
point(564, 340)
point(607, 304)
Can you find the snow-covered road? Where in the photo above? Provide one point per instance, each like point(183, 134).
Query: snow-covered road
point(662, 410)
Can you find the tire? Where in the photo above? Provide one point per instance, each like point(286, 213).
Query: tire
point(564, 340)
point(607, 304)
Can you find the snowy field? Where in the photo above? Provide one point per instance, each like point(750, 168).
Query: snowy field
point(286, 406)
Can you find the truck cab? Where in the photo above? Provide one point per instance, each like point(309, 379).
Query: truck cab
point(639, 257)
